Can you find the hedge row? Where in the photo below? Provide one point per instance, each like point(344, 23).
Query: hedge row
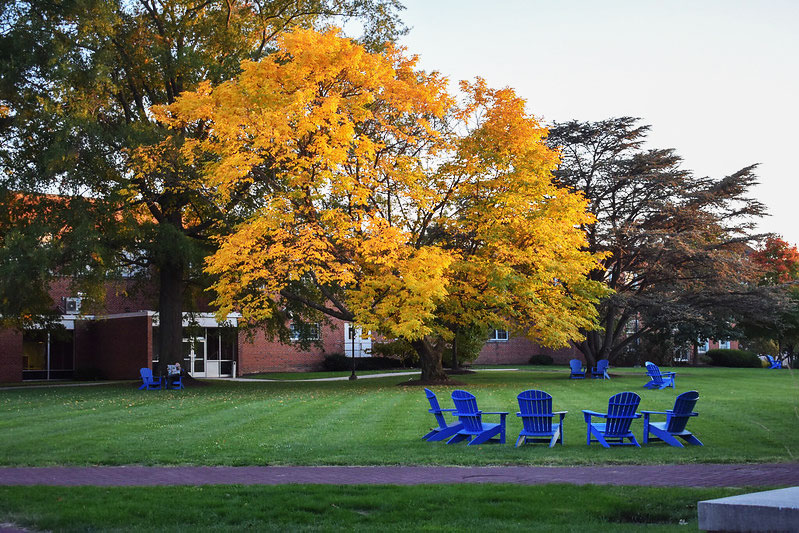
point(734, 358)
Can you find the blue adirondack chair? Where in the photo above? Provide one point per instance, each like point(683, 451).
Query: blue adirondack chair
point(174, 378)
point(474, 429)
point(535, 410)
point(443, 431)
point(148, 381)
point(616, 428)
point(657, 379)
point(676, 419)
point(773, 363)
point(577, 369)
point(600, 370)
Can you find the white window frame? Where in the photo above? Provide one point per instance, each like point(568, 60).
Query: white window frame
point(499, 335)
point(294, 335)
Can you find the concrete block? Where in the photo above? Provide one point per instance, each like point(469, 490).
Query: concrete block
point(772, 510)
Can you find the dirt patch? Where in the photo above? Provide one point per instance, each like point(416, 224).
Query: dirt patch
point(460, 371)
point(189, 381)
point(434, 383)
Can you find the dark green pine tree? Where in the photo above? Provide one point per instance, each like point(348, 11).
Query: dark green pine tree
point(676, 243)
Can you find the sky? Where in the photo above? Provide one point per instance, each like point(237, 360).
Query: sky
point(718, 81)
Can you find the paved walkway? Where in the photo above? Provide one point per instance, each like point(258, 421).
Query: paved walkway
point(688, 475)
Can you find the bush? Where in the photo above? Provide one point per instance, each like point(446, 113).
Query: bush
point(399, 350)
point(337, 362)
point(734, 358)
point(541, 359)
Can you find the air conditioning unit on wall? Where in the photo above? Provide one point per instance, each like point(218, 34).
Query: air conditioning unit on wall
point(72, 305)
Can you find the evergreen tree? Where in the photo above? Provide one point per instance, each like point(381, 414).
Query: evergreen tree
point(675, 244)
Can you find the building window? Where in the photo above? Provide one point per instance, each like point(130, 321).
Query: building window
point(47, 354)
point(307, 332)
point(724, 345)
point(499, 335)
point(703, 348)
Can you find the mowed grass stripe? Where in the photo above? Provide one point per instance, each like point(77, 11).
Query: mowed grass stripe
point(746, 415)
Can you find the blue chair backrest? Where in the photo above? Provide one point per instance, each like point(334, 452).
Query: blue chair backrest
point(435, 408)
point(654, 372)
point(146, 375)
point(576, 365)
point(536, 408)
point(683, 408)
point(602, 365)
point(466, 405)
point(621, 411)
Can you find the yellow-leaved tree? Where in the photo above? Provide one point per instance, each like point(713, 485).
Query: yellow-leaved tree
point(381, 199)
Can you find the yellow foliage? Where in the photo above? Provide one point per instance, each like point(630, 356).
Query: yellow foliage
point(418, 212)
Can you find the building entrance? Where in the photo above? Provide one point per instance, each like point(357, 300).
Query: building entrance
point(194, 357)
point(212, 355)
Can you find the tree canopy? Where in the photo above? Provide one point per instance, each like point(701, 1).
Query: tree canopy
point(77, 81)
point(383, 200)
point(676, 244)
point(778, 263)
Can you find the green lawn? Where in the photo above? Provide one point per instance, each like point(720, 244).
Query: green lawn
point(356, 508)
point(746, 415)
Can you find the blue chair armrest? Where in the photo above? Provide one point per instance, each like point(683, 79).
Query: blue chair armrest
point(494, 412)
point(559, 412)
point(434, 411)
point(595, 413)
point(588, 414)
point(655, 412)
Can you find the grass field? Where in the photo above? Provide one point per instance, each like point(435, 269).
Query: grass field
point(746, 415)
point(356, 508)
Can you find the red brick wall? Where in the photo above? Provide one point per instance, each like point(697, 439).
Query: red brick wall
point(263, 355)
point(714, 345)
point(121, 296)
point(518, 350)
point(10, 355)
point(117, 347)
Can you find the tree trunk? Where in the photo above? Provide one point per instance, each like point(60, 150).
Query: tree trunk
point(430, 359)
point(587, 351)
point(455, 351)
point(170, 315)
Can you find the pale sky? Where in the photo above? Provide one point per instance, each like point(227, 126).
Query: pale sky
point(717, 80)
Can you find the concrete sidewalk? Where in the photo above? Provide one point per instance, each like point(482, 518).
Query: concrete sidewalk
point(686, 475)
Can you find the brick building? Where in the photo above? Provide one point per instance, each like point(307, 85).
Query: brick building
point(115, 341)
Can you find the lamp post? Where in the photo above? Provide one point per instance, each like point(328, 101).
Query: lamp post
point(352, 341)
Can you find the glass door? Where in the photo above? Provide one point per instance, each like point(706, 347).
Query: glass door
point(194, 356)
point(221, 351)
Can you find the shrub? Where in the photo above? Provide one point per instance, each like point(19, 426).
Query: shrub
point(399, 350)
point(734, 358)
point(338, 362)
point(541, 359)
